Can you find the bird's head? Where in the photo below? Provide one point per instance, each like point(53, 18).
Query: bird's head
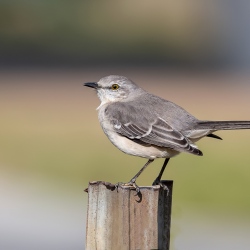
point(113, 88)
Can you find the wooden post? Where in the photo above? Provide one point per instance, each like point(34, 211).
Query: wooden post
point(117, 219)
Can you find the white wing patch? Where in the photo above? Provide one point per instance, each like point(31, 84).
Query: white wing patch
point(117, 126)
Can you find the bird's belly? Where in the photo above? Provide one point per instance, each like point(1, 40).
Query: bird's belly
point(146, 151)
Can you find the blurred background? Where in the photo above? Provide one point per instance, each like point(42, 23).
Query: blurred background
point(194, 53)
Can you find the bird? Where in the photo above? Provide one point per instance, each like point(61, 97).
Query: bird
point(145, 125)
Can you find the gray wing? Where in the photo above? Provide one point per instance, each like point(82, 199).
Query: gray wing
point(143, 127)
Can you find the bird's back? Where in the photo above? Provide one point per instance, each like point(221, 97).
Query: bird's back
point(149, 106)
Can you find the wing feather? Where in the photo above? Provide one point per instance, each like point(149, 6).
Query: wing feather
point(158, 132)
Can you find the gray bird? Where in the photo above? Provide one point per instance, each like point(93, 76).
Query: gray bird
point(145, 125)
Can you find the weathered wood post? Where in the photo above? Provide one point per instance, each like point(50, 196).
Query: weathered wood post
point(117, 219)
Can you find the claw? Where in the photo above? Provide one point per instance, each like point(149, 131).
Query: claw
point(117, 185)
point(158, 182)
point(129, 184)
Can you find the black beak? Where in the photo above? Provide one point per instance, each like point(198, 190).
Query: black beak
point(91, 85)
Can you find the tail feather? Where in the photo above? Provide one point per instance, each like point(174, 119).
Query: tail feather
point(223, 125)
point(214, 136)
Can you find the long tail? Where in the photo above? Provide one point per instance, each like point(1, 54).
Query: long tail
point(223, 125)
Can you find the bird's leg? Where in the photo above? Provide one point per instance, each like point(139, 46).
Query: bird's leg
point(157, 181)
point(132, 181)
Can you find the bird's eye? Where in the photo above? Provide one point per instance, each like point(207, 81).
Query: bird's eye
point(115, 87)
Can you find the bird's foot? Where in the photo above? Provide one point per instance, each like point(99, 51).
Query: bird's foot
point(131, 183)
point(162, 185)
